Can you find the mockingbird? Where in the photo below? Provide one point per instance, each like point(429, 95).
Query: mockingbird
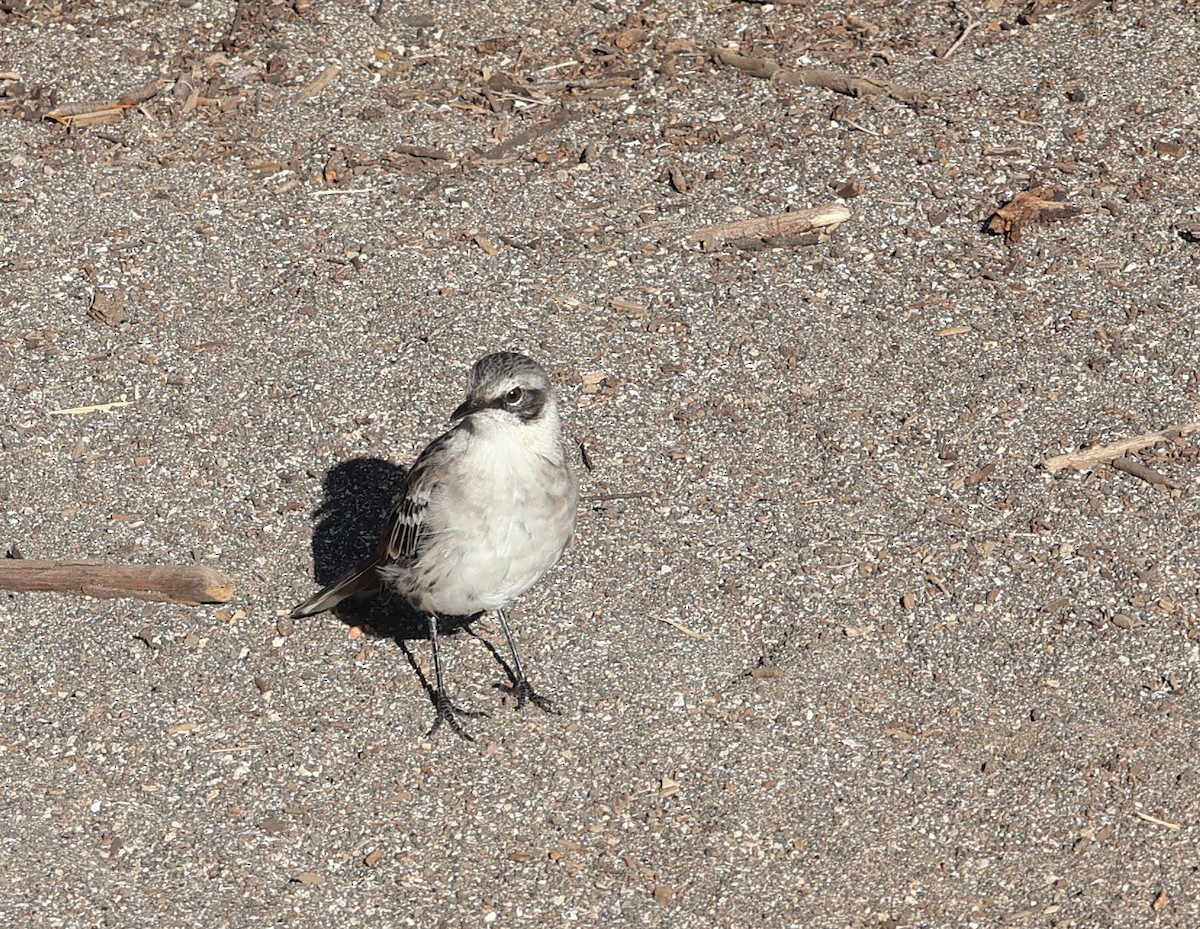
point(484, 512)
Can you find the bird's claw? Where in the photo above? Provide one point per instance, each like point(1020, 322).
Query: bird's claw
point(525, 693)
point(447, 713)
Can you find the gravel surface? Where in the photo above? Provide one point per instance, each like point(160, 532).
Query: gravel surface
point(833, 648)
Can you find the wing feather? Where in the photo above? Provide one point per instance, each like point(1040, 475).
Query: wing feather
point(402, 536)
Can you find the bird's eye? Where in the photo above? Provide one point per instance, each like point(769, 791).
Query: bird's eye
point(513, 397)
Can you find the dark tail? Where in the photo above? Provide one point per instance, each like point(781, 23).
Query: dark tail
point(360, 581)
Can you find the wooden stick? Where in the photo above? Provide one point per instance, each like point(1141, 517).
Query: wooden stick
point(318, 84)
point(1099, 454)
point(971, 26)
point(193, 584)
point(818, 217)
point(1146, 817)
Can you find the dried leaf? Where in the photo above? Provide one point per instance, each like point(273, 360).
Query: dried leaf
point(108, 309)
point(1038, 204)
point(486, 244)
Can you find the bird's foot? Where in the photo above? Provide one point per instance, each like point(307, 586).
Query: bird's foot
point(524, 693)
point(447, 713)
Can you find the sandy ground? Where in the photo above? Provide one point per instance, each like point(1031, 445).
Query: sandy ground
point(834, 649)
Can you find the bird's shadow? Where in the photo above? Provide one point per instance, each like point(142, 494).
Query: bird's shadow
point(358, 497)
point(359, 494)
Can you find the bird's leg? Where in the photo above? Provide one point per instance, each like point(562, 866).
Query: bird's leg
point(445, 709)
point(521, 686)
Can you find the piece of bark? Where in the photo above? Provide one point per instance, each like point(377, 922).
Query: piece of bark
point(510, 148)
point(192, 584)
point(88, 113)
point(779, 224)
point(1036, 205)
point(1099, 454)
point(142, 94)
point(764, 68)
point(1143, 471)
point(852, 86)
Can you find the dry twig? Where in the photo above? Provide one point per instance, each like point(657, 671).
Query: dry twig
point(780, 224)
point(1099, 454)
point(836, 81)
point(322, 80)
point(971, 25)
point(191, 584)
point(1146, 817)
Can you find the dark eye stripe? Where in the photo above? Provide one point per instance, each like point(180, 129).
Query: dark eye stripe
point(531, 404)
point(528, 407)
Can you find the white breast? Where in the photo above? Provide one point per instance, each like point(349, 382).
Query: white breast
point(497, 524)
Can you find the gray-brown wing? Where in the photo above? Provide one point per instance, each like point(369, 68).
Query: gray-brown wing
point(401, 538)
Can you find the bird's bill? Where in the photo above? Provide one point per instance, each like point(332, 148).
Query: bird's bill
point(466, 408)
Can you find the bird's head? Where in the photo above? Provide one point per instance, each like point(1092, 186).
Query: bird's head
point(507, 387)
